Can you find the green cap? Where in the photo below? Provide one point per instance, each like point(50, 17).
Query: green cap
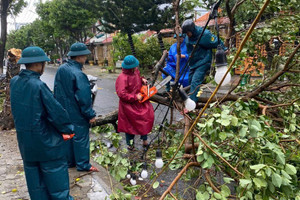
point(130, 62)
point(78, 49)
point(33, 55)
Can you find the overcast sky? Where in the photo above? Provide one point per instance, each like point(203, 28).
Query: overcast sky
point(27, 15)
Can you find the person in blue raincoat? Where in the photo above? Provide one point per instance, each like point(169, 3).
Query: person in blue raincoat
point(171, 63)
point(40, 123)
point(201, 61)
point(72, 90)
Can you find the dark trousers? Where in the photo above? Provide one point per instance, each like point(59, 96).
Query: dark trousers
point(130, 137)
point(78, 149)
point(48, 180)
point(196, 77)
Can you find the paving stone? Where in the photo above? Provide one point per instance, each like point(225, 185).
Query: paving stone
point(12, 175)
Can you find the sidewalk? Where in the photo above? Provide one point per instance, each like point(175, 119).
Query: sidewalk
point(83, 185)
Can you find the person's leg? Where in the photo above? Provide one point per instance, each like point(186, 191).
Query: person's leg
point(81, 147)
point(35, 183)
point(197, 79)
point(56, 177)
point(144, 138)
point(129, 139)
point(70, 153)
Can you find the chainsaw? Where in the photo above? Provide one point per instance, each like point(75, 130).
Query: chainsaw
point(147, 92)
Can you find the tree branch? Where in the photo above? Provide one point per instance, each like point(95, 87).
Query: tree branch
point(281, 86)
point(294, 71)
point(236, 6)
point(218, 155)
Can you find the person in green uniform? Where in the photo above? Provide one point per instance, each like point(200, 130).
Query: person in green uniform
point(41, 124)
point(72, 90)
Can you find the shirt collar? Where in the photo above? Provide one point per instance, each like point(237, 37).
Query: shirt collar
point(26, 72)
point(75, 63)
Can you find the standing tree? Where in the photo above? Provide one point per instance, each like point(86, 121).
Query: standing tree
point(126, 16)
point(68, 17)
point(7, 7)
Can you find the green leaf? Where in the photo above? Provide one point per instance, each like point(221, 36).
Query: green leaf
point(280, 158)
point(217, 195)
point(245, 182)
point(292, 127)
point(286, 175)
point(155, 185)
point(228, 180)
point(268, 171)
point(225, 191)
point(225, 122)
point(290, 169)
point(201, 125)
point(199, 150)
point(276, 180)
point(210, 122)
point(202, 196)
point(234, 121)
point(208, 163)
point(260, 182)
point(257, 167)
point(256, 124)
point(222, 136)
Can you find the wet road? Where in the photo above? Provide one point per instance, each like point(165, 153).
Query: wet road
point(106, 99)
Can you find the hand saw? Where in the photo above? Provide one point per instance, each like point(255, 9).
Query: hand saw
point(147, 91)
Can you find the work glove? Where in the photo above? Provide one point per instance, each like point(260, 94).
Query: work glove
point(67, 136)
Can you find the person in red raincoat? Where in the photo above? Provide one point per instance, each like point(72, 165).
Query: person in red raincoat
point(134, 118)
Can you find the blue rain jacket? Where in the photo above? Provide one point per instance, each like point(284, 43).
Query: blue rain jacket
point(72, 90)
point(38, 117)
point(203, 53)
point(171, 64)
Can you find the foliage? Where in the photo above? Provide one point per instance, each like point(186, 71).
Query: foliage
point(72, 18)
point(251, 143)
point(117, 165)
point(119, 195)
point(148, 51)
point(16, 6)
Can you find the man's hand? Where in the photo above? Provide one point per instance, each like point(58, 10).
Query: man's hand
point(183, 56)
point(67, 136)
point(144, 81)
point(139, 96)
point(93, 120)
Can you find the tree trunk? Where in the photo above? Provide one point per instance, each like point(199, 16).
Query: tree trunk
point(131, 43)
point(3, 15)
point(6, 118)
point(161, 42)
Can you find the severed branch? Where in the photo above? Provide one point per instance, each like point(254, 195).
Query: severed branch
point(178, 177)
point(294, 71)
point(264, 108)
point(110, 118)
point(278, 87)
point(276, 76)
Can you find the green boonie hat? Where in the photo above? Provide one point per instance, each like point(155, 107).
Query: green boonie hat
point(33, 55)
point(130, 62)
point(78, 49)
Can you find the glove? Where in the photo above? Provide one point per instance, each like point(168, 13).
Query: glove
point(68, 136)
